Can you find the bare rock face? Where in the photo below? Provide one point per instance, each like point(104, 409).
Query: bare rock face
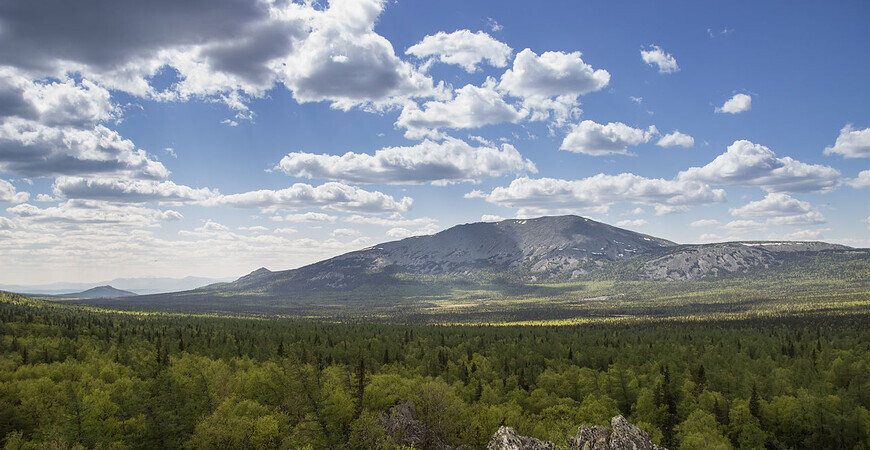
point(628, 436)
point(401, 423)
point(508, 439)
point(588, 438)
point(623, 436)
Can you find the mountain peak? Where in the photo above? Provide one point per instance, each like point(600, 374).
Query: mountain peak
point(549, 246)
point(104, 291)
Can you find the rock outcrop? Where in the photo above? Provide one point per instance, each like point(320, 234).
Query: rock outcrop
point(508, 439)
point(621, 436)
point(403, 426)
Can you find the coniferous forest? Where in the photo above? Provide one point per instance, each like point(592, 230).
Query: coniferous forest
point(79, 377)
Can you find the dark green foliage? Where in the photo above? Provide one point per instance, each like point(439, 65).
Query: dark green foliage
point(125, 380)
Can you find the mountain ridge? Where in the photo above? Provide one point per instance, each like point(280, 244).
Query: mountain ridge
point(105, 291)
point(538, 249)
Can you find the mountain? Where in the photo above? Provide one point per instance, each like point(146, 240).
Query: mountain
point(145, 285)
point(567, 246)
point(547, 267)
point(100, 292)
point(561, 248)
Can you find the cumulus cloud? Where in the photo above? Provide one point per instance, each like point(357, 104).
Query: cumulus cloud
point(394, 220)
point(632, 223)
point(491, 218)
point(54, 103)
point(596, 139)
point(330, 196)
point(345, 232)
point(851, 143)
point(6, 224)
point(344, 61)
point(861, 181)
point(8, 193)
point(803, 235)
point(704, 223)
point(35, 150)
point(50, 128)
point(472, 107)
point(306, 217)
point(749, 164)
point(225, 49)
point(462, 48)
point(743, 226)
point(655, 56)
point(75, 213)
point(736, 104)
point(128, 190)
point(451, 160)
point(598, 193)
point(551, 82)
point(676, 139)
point(781, 209)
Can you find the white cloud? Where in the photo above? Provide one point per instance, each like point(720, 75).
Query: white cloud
point(128, 190)
point(402, 233)
point(743, 226)
point(861, 181)
point(493, 25)
point(491, 218)
point(74, 213)
point(736, 104)
point(8, 193)
point(345, 232)
point(472, 107)
point(632, 223)
point(224, 49)
point(254, 229)
point(230, 123)
point(704, 223)
point(331, 196)
point(344, 61)
point(307, 217)
point(781, 209)
point(851, 143)
point(395, 220)
point(6, 224)
point(551, 82)
point(749, 164)
point(211, 226)
point(62, 103)
point(803, 235)
point(595, 139)
point(45, 198)
point(658, 57)
point(399, 233)
point(452, 160)
point(32, 149)
point(598, 193)
point(462, 48)
point(774, 204)
point(676, 138)
point(285, 230)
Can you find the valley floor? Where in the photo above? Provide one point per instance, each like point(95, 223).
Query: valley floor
point(79, 376)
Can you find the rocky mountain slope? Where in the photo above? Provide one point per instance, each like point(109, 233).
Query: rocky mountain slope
point(562, 248)
point(100, 292)
point(567, 246)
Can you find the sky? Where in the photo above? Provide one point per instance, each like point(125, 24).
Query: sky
point(213, 137)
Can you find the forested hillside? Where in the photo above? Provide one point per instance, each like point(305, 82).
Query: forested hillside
point(72, 376)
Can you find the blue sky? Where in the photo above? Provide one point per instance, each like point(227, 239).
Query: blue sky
point(210, 138)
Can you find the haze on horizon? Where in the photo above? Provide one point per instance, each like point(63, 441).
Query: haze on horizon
point(210, 138)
